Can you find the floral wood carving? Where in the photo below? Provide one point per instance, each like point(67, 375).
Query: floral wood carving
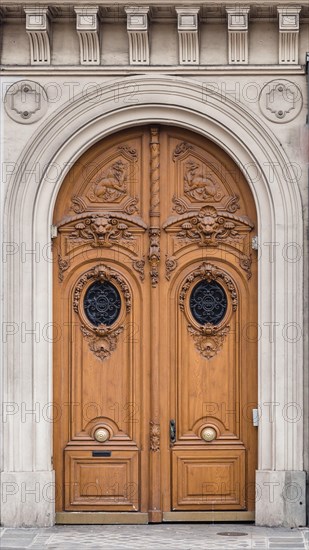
point(170, 265)
point(155, 433)
point(208, 339)
point(139, 266)
point(101, 273)
point(101, 231)
point(197, 185)
point(181, 150)
point(245, 263)
point(154, 254)
point(63, 265)
point(208, 272)
point(211, 226)
point(102, 340)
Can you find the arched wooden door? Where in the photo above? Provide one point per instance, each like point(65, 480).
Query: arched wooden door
point(155, 303)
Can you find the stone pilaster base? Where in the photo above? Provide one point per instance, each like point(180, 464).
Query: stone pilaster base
point(280, 498)
point(28, 499)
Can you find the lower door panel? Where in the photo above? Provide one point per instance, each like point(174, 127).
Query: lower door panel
point(103, 482)
point(208, 479)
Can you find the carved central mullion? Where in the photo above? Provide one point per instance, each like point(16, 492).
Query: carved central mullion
point(154, 213)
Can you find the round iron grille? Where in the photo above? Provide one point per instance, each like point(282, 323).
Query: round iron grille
point(208, 302)
point(102, 303)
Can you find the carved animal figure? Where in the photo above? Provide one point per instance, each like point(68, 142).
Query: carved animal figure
point(111, 184)
point(196, 185)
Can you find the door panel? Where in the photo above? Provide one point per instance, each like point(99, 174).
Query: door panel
point(155, 298)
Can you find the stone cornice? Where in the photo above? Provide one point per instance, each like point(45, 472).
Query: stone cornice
point(160, 10)
point(201, 70)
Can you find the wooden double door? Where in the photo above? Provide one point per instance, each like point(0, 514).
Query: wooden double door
point(155, 316)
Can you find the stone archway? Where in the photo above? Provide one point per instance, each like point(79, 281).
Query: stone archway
point(29, 206)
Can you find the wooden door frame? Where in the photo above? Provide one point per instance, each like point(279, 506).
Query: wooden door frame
point(255, 148)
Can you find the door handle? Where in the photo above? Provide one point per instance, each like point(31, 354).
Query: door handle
point(172, 432)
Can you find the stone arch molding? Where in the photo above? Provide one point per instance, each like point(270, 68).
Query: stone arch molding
point(58, 143)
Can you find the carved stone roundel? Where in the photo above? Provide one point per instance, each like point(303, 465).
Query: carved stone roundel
point(26, 102)
point(280, 100)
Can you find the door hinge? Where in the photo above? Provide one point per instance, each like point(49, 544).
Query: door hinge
point(255, 243)
point(255, 417)
point(53, 231)
point(172, 432)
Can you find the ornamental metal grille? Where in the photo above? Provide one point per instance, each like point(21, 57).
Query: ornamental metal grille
point(102, 303)
point(208, 302)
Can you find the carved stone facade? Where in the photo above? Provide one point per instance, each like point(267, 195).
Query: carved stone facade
point(71, 77)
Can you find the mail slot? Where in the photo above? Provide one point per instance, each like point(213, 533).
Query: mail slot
point(101, 453)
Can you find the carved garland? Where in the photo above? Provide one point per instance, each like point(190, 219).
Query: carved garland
point(208, 338)
point(102, 340)
point(155, 434)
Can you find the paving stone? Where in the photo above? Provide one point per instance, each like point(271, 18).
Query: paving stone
point(155, 537)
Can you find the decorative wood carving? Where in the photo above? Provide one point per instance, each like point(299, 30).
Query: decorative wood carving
point(79, 205)
point(63, 265)
point(181, 150)
point(245, 263)
point(102, 339)
point(208, 272)
point(197, 186)
point(110, 184)
point(154, 230)
point(101, 231)
point(208, 338)
point(170, 264)
point(139, 266)
point(154, 254)
point(155, 434)
point(209, 226)
point(101, 273)
point(154, 172)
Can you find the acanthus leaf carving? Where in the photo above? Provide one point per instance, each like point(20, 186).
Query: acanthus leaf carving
point(245, 263)
point(181, 150)
point(211, 226)
point(170, 264)
point(139, 266)
point(208, 272)
point(63, 265)
point(180, 205)
point(101, 273)
point(208, 339)
point(102, 340)
point(101, 231)
point(155, 434)
point(154, 254)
